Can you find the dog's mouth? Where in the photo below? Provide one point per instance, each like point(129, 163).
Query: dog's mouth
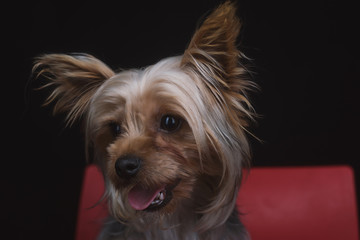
point(143, 199)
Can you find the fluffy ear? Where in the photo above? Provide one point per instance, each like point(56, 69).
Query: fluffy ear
point(212, 53)
point(215, 62)
point(75, 79)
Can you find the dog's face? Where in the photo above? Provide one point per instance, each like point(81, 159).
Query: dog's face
point(169, 136)
point(144, 126)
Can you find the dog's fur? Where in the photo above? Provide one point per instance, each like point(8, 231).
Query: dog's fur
point(204, 92)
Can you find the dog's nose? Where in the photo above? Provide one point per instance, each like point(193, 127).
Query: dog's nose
point(127, 166)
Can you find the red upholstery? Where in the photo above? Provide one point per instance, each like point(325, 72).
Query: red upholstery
point(309, 203)
point(294, 203)
point(90, 217)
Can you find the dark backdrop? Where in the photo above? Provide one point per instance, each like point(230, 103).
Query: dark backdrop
point(306, 61)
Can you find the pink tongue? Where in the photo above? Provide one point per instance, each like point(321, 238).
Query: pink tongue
point(140, 198)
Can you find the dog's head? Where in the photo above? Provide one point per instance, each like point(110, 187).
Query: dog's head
point(170, 134)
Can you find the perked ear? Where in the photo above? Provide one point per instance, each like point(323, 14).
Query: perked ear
point(215, 62)
point(75, 78)
point(212, 52)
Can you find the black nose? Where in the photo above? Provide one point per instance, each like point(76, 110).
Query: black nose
point(127, 166)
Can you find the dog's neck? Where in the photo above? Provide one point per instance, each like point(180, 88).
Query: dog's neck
point(179, 225)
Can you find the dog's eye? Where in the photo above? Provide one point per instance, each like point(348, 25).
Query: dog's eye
point(115, 128)
point(170, 123)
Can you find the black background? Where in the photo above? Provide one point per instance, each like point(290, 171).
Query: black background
point(306, 59)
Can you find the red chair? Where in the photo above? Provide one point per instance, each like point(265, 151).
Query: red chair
point(294, 203)
point(91, 213)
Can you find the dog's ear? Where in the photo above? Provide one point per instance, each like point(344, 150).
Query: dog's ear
point(212, 53)
point(75, 79)
point(215, 62)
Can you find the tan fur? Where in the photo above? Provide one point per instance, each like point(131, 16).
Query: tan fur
point(76, 79)
point(207, 88)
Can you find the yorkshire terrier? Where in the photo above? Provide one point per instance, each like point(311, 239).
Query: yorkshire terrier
point(170, 139)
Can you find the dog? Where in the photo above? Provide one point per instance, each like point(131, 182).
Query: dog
point(170, 139)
